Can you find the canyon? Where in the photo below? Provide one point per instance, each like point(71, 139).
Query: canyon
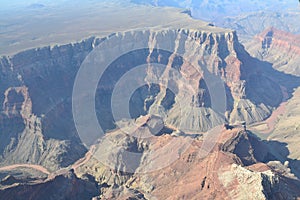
point(183, 138)
point(267, 45)
point(43, 115)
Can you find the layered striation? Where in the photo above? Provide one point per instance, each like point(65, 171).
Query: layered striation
point(38, 88)
point(278, 47)
point(36, 113)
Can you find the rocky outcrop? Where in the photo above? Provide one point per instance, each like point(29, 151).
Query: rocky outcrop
point(268, 184)
point(278, 47)
point(234, 169)
point(26, 142)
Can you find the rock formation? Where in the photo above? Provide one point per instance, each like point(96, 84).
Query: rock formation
point(43, 79)
point(278, 47)
point(235, 169)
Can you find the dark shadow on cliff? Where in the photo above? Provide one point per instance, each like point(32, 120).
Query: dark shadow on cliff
point(145, 93)
point(264, 84)
point(272, 150)
point(267, 84)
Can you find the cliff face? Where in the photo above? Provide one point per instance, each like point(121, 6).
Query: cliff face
point(38, 83)
point(278, 47)
point(202, 58)
point(36, 113)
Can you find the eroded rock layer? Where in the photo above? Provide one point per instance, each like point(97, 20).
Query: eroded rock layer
point(38, 88)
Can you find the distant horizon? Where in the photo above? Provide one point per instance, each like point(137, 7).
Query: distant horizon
point(17, 4)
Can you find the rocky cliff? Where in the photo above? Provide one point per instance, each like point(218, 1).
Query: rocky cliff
point(278, 47)
point(38, 83)
point(250, 95)
point(36, 116)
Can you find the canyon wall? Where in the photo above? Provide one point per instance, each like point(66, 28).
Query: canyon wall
point(37, 84)
point(278, 47)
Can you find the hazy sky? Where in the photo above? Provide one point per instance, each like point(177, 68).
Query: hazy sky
point(13, 4)
point(8, 4)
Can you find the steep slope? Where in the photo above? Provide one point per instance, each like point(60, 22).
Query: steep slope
point(212, 57)
point(281, 48)
point(287, 130)
point(205, 78)
point(278, 47)
point(174, 108)
point(36, 116)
